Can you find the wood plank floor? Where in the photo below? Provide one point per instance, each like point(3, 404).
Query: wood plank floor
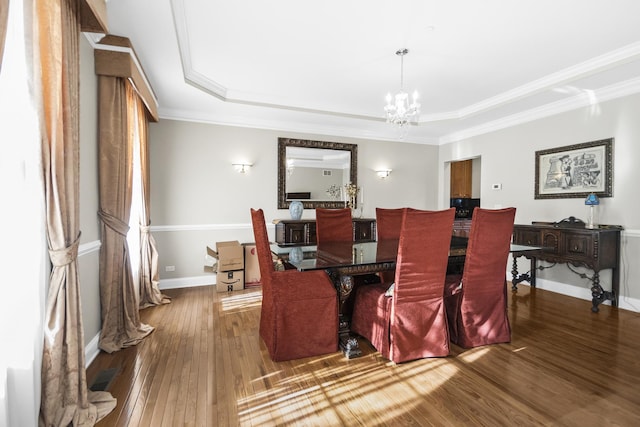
point(204, 365)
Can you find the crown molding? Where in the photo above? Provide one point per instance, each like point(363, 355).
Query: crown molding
point(595, 65)
point(578, 71)
point(580, 100)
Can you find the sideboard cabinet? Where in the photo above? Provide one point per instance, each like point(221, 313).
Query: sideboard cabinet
point(303, 231)
point(572, 243)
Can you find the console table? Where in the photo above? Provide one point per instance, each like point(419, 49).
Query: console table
point(570, 242)
point(303, 231)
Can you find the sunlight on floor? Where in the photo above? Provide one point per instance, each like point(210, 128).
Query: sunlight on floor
point(472, 355)
point(241, 300)
point(315, 393)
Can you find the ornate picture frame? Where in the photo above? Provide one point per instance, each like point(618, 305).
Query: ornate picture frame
point(575, 171)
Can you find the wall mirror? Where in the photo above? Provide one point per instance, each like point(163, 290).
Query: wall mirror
point(315, 172)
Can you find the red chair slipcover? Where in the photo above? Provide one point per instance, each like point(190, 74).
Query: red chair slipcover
point(299, 316)
point(412, 323)
point(334, 225)
point(477, 302)
point(388, 224)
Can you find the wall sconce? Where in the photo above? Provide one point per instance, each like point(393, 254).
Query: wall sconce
point(242, 167)
point(592, 201)
point(383, 173)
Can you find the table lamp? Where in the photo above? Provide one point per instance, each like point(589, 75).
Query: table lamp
point(592, 201)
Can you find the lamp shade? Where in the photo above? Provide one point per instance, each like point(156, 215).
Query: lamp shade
point(592, 200)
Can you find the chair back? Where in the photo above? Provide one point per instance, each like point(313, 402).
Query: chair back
point(334, 225)
point(418, 320)
point(265, 263)
point(265, 259)
point(483, 310)
point(388, 223)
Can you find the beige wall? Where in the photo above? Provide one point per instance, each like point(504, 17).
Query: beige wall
point(507, 158)
point(197, 198)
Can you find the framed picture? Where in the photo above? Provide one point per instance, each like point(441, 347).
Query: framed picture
point(575, 170)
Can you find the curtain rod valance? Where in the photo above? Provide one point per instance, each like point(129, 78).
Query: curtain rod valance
point(93, 16)
point(115, 56)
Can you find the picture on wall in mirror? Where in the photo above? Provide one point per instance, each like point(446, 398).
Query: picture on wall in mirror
point(575, 170)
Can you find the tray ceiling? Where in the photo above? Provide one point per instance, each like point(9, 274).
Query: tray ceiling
point(326, 67)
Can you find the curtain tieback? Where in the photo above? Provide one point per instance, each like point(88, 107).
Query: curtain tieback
point(145, 228)
point(114, 223)
point(62, 257)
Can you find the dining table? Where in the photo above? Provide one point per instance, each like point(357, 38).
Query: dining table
point(344, 260)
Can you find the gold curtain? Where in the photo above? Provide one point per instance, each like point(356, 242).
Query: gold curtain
point(4, 16)
point(121, 325)
point(65, 397)
point(150, 294)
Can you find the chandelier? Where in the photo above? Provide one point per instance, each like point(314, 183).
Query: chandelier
point(400, 112)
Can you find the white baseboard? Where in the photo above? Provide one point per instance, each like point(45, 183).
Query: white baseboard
point(631, 304)
point(187, 282)
point(624, 302)
point(92, 350)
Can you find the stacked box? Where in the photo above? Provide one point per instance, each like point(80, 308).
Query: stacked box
point(230, 265)
point(227, 281)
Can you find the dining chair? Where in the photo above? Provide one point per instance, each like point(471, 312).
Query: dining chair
point(299, 315)
point(388, 224)
point(407, 321)
point(333, 225)
point(476, 301)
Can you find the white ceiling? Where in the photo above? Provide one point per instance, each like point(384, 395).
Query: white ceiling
point(325, 67)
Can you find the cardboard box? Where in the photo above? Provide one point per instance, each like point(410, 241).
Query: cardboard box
point(227, 281)
point(230, 255)
point(251, 266)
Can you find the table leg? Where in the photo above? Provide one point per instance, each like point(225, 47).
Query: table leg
point(529, 276)
point(348, 344)
point(599, 295)
point(532, 269)
point(515, 276)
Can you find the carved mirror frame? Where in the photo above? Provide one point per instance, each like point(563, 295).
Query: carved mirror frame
point(283, 143)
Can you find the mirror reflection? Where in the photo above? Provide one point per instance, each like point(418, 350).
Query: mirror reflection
point(314, 172)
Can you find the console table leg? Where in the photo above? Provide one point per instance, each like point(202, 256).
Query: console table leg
point(615, 286)
point(599, 295)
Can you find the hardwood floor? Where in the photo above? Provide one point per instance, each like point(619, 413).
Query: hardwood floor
point(204, 365)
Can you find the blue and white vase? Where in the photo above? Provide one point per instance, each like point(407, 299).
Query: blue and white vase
point(295, 209)
point(296, 254)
